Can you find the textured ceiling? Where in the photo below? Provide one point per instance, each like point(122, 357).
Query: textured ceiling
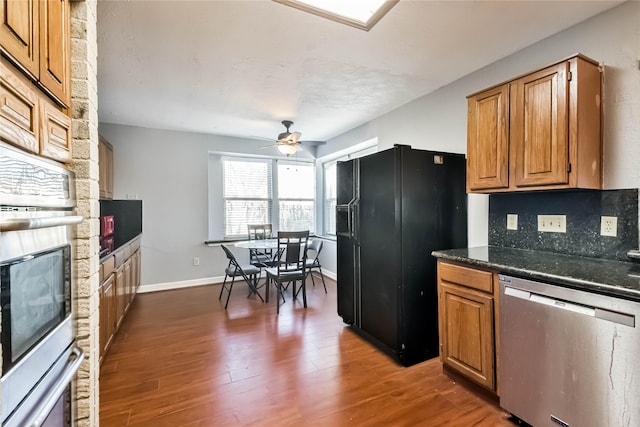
point(240, 67)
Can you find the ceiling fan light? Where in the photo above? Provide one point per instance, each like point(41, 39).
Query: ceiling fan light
point(287, 149)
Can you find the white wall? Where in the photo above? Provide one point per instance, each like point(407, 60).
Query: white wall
point(168, 170)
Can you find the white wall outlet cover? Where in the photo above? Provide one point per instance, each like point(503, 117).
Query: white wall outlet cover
point(512, 221)
point(552, 223)
point(609, 226)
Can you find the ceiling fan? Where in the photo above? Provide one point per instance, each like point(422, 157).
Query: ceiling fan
point(288, 142)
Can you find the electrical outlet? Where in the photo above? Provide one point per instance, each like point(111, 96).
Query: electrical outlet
point(609, 226)
point(552, 223)
point(196, 261)
point(512, 221)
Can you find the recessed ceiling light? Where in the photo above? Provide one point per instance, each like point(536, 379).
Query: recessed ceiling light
point(362, 14)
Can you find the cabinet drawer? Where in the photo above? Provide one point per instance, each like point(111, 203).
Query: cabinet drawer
point(465, 276)
point(18, 111)
point(55, 134)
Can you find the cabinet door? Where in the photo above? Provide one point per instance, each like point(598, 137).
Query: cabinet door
point(488, 139)
point(55, 52)
point(107, 314)
point(539, 135)
point(20, 32)
point(105, 159)
point(135, 268)
point(467, 341)
point(19, 111)
point(120, 296)
point(55, 134)
point(128, 282)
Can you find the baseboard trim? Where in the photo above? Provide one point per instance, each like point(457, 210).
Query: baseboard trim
point(329, 274)
point(157, 287)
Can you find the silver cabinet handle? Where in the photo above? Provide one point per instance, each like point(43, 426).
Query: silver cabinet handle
point(46, 405)
point(17, 224)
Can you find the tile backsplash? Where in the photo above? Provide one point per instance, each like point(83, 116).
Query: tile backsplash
point(583, 210)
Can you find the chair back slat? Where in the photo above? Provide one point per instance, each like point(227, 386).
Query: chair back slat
point(292, 255)
point(259, 231)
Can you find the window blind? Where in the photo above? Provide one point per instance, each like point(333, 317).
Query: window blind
point(296, 192)
point(247, 195)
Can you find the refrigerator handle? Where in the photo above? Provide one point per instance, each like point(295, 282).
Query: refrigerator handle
point(349, 219)
point(353, 221)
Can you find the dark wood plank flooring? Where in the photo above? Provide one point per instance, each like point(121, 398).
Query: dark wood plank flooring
point(180, 359)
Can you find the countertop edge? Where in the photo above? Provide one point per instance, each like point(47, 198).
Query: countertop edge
point(568, 281)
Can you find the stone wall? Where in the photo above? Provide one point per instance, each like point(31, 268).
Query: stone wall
point(84, 93)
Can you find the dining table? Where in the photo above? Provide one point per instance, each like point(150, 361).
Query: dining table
point(258, 244)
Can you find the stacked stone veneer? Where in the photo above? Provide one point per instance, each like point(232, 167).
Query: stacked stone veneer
point(84, 100)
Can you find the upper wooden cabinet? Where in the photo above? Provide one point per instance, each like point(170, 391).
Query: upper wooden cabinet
point(20, 32)
point(540, 131)
point(488, 139)
point(36, 37)
point(105, 159)
point(30, 120)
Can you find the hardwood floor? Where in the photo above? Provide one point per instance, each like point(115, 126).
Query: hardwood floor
point(180, 359)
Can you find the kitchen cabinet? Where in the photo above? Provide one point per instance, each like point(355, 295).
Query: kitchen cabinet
point(36, 38)
point(107, 314)
point(119, 282)
point(30, 120)
point(35, 83)
point(105, 159)
point(107, 304)
point(467, 322)
point(19, 111)
point(538, 131)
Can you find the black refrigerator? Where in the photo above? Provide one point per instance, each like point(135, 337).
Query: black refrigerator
point(393, 209)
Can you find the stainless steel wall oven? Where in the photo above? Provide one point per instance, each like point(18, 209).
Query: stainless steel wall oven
point(39, 359)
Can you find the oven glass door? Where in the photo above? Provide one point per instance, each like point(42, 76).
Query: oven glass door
point(36, 298)
point(60, 415)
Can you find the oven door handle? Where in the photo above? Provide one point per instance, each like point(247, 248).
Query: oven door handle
point(18, 224)
point(44, 408)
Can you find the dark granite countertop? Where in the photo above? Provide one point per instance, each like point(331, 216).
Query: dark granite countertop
point(616, 278)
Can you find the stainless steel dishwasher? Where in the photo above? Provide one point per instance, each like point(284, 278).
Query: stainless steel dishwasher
point(568, 357)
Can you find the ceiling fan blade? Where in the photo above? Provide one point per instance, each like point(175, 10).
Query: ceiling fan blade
point(314, 143)
point(294, 137)
point(262, 138)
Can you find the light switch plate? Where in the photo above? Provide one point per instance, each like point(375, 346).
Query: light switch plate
point(512, 221)
point(609, 226)
point(552, 223)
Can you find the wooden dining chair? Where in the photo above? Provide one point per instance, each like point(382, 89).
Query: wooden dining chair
point(249, 273)
point(290, 265)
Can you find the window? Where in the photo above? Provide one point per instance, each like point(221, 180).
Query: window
point(250, 197)
point(247, 194)
point(296, 191)
point(330, 185)
point(330, 198)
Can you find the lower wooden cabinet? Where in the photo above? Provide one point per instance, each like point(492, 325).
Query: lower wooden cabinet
point(119, 278)
point(107, 313)
point(467, 313)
